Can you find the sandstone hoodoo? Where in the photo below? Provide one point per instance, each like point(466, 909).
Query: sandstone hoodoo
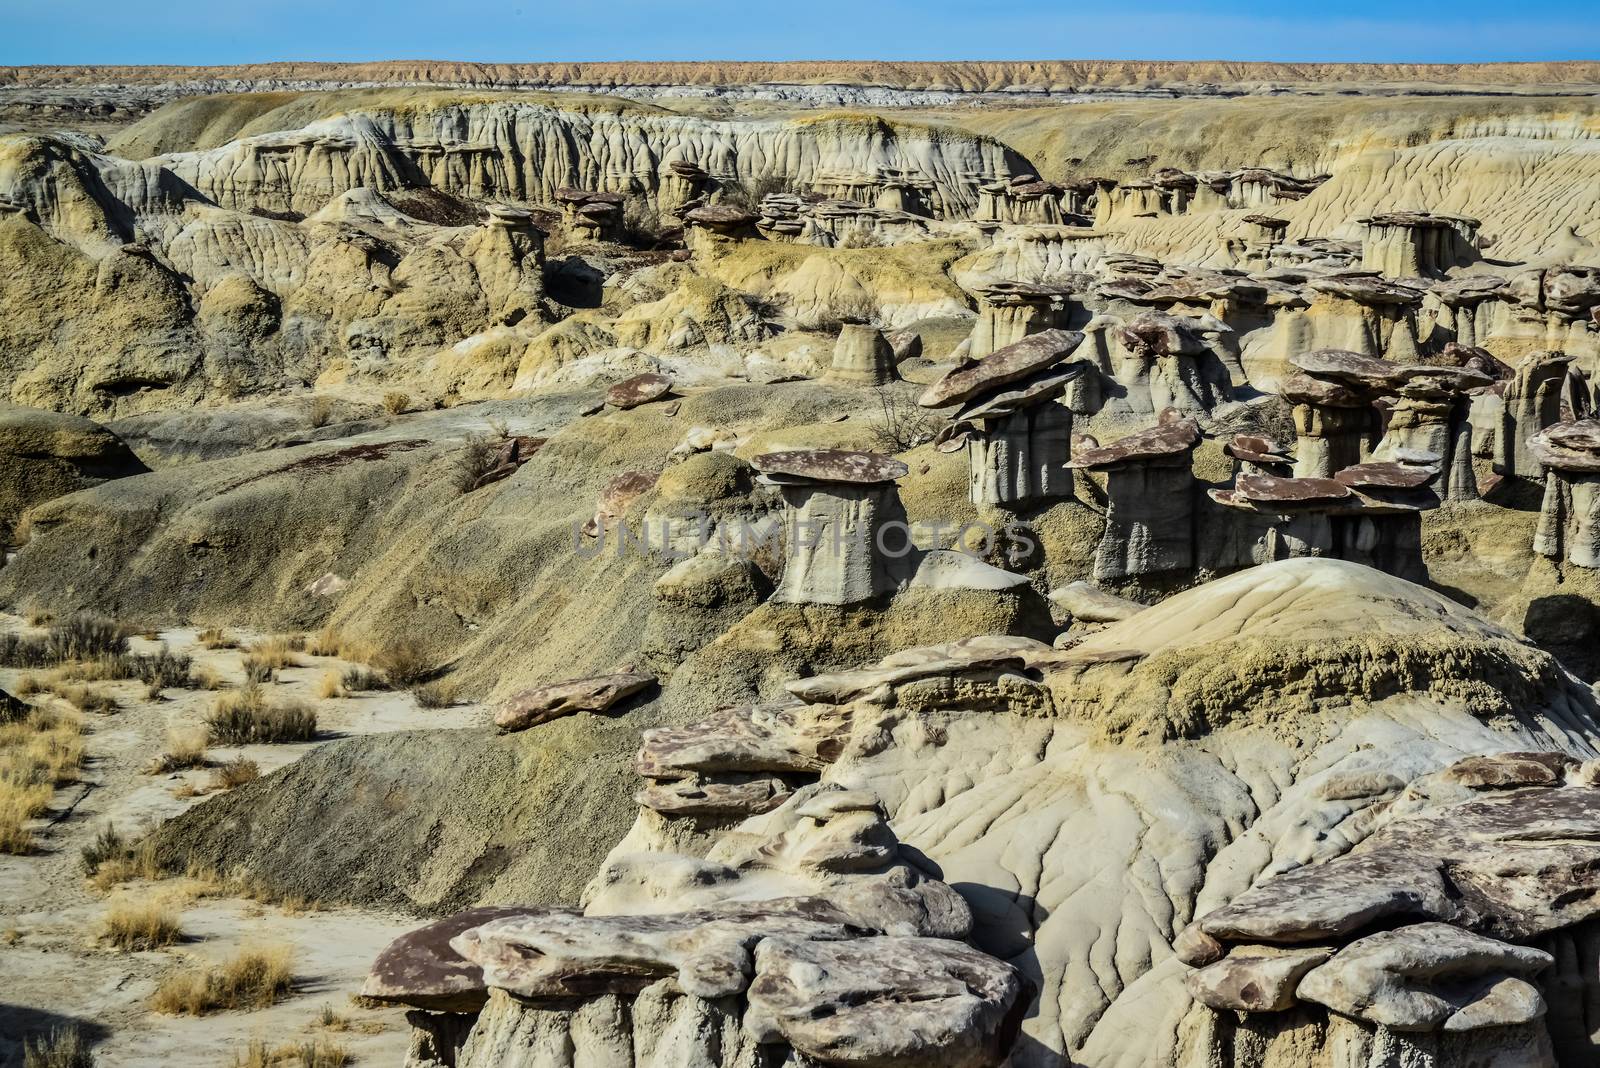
point(1149, 490)
point(489, 580)
point(1016, 434)
point(846, 536)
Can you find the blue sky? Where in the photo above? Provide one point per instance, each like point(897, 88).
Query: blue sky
point(226, 31)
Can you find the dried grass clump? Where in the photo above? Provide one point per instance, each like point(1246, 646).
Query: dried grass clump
point(434, 695)
point(317, 1052)
point(254, 978)
point(329, 686)
point(185, 749)
point(361, 680)
point(216, 638)
point(140, 925)
point(79, 638)
point(404, 663)
point(63, 1047)
point(37, 754)
point(247, 717)
point(86, 698)
point(277, 652)
point(206, 677)
point(235, 772)
point(396, 402)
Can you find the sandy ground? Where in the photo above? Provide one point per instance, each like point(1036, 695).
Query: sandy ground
point(53, 970)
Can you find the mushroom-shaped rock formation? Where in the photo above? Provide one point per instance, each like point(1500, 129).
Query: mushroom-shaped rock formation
point(640, 389)
point(682, 184)
point(1149, 500)
point(1546, 389)
point(1156, 361)
point(1367, 514)
point(974, 378)
point(592, 216)
point(1417, 244)
point(1419, 927)
point(1334, 419)
point(704, 958)
point(1431, 413)
point(714, 223)
point(1015, 433)
point(847, 540)
point(544, 703)
point(1569, 520)
point(420, 969)
point(874, 1001)
point(1010, 311)
point(861, 356)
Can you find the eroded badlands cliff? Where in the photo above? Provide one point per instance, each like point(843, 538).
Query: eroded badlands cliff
point(770, 573)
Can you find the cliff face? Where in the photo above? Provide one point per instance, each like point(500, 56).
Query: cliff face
point(504, 149)
point(975, 76)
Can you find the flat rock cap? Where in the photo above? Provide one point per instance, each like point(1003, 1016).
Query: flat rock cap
point(421, 970)
point(831, 465)
point(1386, 475)
point(1270, 488)
point(1255, 448)
point(1168, 439)
point(1571, 446)
point(719, 216)
point(640, 389)
point(1032, 353)
point(1347, 366)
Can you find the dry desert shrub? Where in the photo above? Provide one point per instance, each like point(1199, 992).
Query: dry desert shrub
point(235, 772)
point(329, 686)
point(404, 663)
point(206, 677)
point(361, 680)
point(278, 652)
point(901, 424)
point(86, 698)
point(37, 754)
point(254, 978)
point(140, 925)
point(79, 638)
point(63, 1047)
point(185, 749)
point(247, 717)
point(35, 614)
point(434, 695)
point(396, 402)
point(216, 638)
point(313, 1053)
point(28, 686)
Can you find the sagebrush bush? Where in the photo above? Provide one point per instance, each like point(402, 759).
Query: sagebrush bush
point(404, 663)
point(235, 772)
point(185, 749)
point(62, 1047)
point(247, 717)
point(79, 638)
point(253, 978)
point(140, 925)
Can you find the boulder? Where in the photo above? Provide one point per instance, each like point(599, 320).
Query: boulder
point(882, 1001)
point(421, 969)
point(544, 703)
point(1430, 977)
